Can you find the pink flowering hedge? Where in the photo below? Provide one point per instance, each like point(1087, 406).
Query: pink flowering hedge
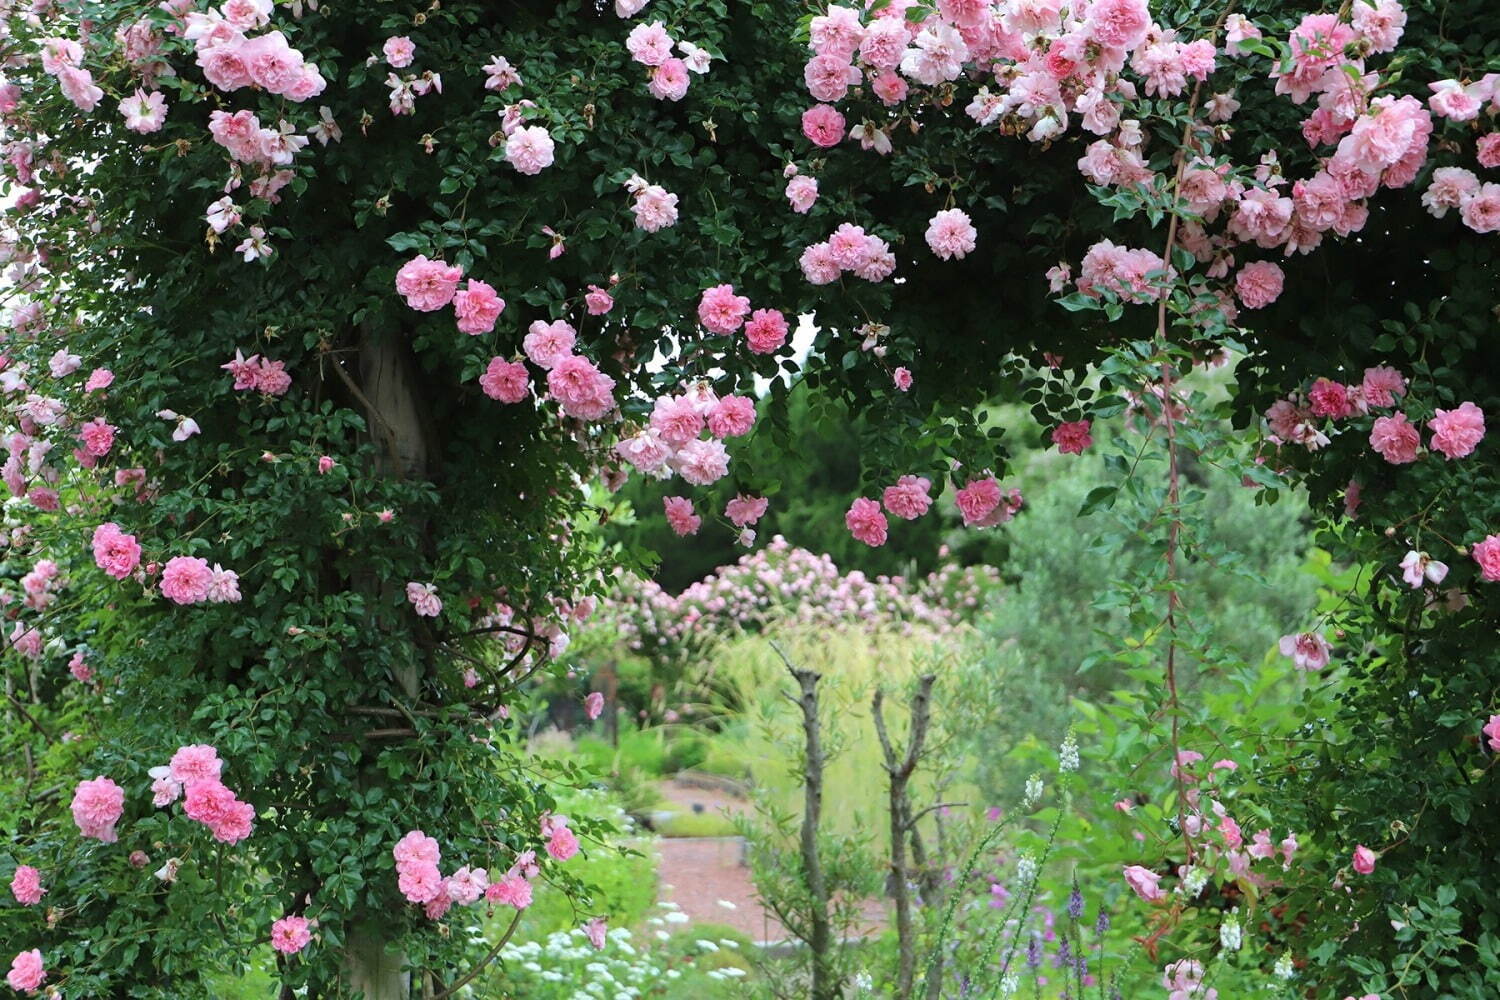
point(318, 316)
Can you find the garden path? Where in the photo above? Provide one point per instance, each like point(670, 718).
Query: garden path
point(702, 874)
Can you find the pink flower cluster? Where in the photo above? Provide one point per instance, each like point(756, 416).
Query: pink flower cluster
point(190, 580)
point(263, 375)
point(115, 552)
point(424, 599)
point(983, 504)
point(671, 442)
point(651, 46)
point(429, 285)
point(654, 206)
point(849, 249)
point(1298, 420)
point(230, 60)
point(781, 585)
point(27, 972)
point(195, 770)
point(420, 879)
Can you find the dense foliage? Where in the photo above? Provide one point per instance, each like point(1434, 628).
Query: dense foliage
point(271, 497)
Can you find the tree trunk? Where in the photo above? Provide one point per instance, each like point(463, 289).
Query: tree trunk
point(369, 968)
point(819, 938)
point(389, 394)
point(901, 824)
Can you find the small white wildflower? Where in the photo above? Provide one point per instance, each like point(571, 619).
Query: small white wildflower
point(706, 945)
point(1033, 791)
point(1231, 936)
point(662, 935)
point(677, 917)
point(863, 982)
point(1010, 985)
point(1067, 754)
point(1283, 968)
point(1026, 869)
point(1193, 881)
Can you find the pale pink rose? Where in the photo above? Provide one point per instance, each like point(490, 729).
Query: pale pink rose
point(427, 285)
point(272, 63)
point(26, 885)
point(27, 972)
point(1308, 650)
point(1456, 432)
point(680, 515)
point(743, 510)
point(1487, 555)
point(766, 331)
point(325, 464)
point(1418, 568)
point(290, 935)
point(827, 77)
point(399, 51)
point(1451, 100)
point(195, 762)
point(865, 522)
point(1258, 284)
point(529, 149)
point(1450, 188)
point(115, 552)
point(144, 113)
point(1492, 730)
point(676, 420)
point(669, 81)
point(581, 389)
point(649, 44)
point(909, 498)
point(1395, 439)
point(1143, 882)
point(802, 192)
point(978, 500)
point(593, 705)
point(654, 206)
point(99, 378)
point(732, 416)
point(186, 580)
point(1072, 438)
point(646, 451)
point(561, 843)
point(1488, 150)
point(702, 462)
point(819, 264)
point(721, 311)
point(512, 890)
point(1480, 211)
point(1381, 24)
point(594, 930)
point(823, 125)
point(1328, 398)
point(950, 234)
point(547, 344)
point(1382, 385)
point(901, 378)
point(1364, 860)
point(424, 599)
point(598, 301)
point(506, 381)
point(98, 805)
point(477, 307)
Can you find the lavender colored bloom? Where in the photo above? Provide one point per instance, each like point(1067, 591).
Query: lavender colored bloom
point(1075, 903)
point(1034, 952)
point(1102, 924)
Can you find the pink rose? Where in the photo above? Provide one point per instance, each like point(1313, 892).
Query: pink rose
point(766, 331)
point(477, 308)
point(802, 192)
point(26, 885)
point(1487, 555)
point(1072, 438)
point(27, 972)
point(950, 234)
point(1143, 881)
point(1455, 433)
point(98, 805)
point(427, 285)
point(909, 498)
point(1364, 860)
point(506, 381)
point(1308, 650)
point(823, 125)
point(901, 378)
point(399, 51)
point(547, 344)
point(593, 705)
point(732, 416)
point(722, 311)
point(680, 515)
point(1258, 284)
point(743, 510)
point(1492, 730)
point(290, 935)
point(1395, 439)
point(115, 552)
point(865, 522)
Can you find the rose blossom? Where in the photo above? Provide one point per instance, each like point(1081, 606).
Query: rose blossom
point(901, 378)
point(529, 149)
point(743, 510)
point(424, 599)
point(1072, 438)
point(27, 972)
point(186, 580)
point(1308, 650)
point(1143, 881)
point(766, 331)
point(1456, 432)
point(477, 307)
point(1487, 555)
point(722, 311)
point(399, 51)
point(115, 552)
point(427, 285)
point(909, 498)
point(1395, 439)
point(702, 462)
point(950, 234)
point(823, 125)
point(731, 416)
point(680, 515)
point(802, 192)
point(98, 805)
point(865, 522)
point(1382, 385)
point(506, 381)
point(1258, 284)
point(1364, 860)
point(26, 885)
point(290, 935)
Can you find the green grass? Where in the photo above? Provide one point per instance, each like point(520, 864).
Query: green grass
point(691, 824)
